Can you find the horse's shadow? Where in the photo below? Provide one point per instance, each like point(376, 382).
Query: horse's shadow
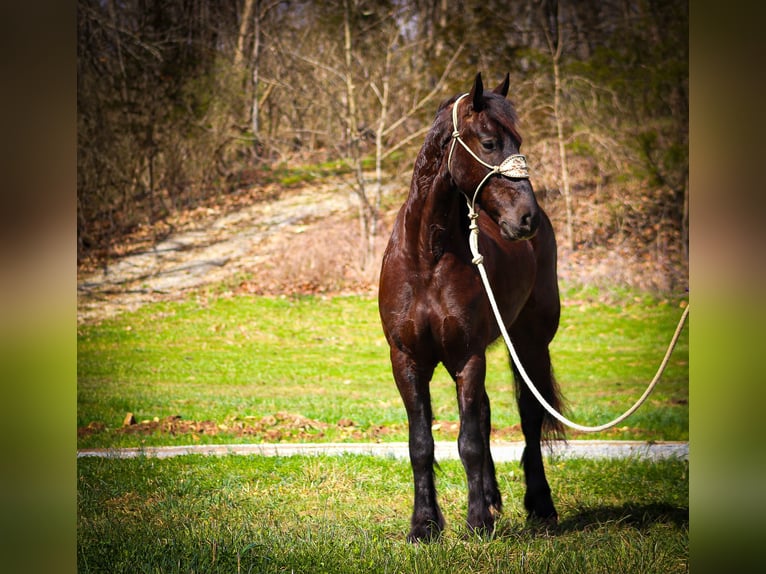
point(638, 516)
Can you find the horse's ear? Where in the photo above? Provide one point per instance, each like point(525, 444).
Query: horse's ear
point(477, 94)
point(502, 88)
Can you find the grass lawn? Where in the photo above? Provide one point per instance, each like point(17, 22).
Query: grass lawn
point(351, 513)
point(256, 369)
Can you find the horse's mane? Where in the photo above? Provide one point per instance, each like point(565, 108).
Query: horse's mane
point(431, 160)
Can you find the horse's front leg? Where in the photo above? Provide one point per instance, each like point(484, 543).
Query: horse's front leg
point(413, 380)
point(473, 446)
point(491, 490)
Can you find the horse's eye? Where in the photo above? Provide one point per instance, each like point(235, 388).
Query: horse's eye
point(488, 145)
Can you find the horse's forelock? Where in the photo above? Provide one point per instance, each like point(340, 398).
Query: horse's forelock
point(504, 113)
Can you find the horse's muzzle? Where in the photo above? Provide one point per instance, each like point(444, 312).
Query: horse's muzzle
point(525, 229)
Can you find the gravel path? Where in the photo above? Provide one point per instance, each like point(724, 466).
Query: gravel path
point(501, 451)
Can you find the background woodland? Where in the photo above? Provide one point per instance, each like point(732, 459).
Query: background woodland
point(184, 102)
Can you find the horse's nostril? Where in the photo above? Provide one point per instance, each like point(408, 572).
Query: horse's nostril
point(529, 221)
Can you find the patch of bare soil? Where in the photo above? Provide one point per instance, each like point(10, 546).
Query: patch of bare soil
point(296, 241)
point(276, 427)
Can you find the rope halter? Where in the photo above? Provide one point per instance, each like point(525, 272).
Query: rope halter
point(515, 165)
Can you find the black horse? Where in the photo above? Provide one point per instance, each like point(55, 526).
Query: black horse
point(434, 308)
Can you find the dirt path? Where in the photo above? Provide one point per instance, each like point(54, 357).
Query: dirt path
point(205, 252)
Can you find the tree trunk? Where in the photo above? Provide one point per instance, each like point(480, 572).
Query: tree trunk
point(565, 189)
point(379, 150)
point(685, 220)
point(366, 211)
point(255, 109)
point(552, 24)
point(244, 25)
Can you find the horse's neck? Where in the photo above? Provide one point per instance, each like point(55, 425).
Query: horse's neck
point(432, 220)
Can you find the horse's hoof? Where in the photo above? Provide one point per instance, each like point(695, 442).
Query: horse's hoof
point(482, 533)
point(426, 533)
point(482, 527)
point(541, 510)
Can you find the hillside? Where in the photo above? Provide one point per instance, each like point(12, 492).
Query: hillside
point(304, 239)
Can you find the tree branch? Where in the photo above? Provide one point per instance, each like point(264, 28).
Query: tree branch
point(428, 96)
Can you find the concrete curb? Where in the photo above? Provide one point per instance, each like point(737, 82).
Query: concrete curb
point(501, 451)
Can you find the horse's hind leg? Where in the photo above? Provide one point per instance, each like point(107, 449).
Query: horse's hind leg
point(413, 384)
point(537, 364)
point(473, 446)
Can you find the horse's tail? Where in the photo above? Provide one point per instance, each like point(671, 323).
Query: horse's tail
point(546, 384)
point(553, 428)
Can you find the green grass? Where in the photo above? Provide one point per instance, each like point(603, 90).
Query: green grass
point(350, 514)
point(231, 360)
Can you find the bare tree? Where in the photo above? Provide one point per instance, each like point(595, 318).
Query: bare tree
point(383, 146)
point(551, 19)
point(378, 78)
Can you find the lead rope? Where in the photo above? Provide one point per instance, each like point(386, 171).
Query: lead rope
point(516, 166)
point(478, 260)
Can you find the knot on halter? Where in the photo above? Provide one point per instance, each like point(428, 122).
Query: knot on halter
point(473, 238)
point(472, 216)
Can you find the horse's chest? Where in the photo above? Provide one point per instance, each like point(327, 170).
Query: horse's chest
point(443, 307)
point(458, 303)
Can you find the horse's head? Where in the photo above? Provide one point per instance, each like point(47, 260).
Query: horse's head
point(485, 163)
